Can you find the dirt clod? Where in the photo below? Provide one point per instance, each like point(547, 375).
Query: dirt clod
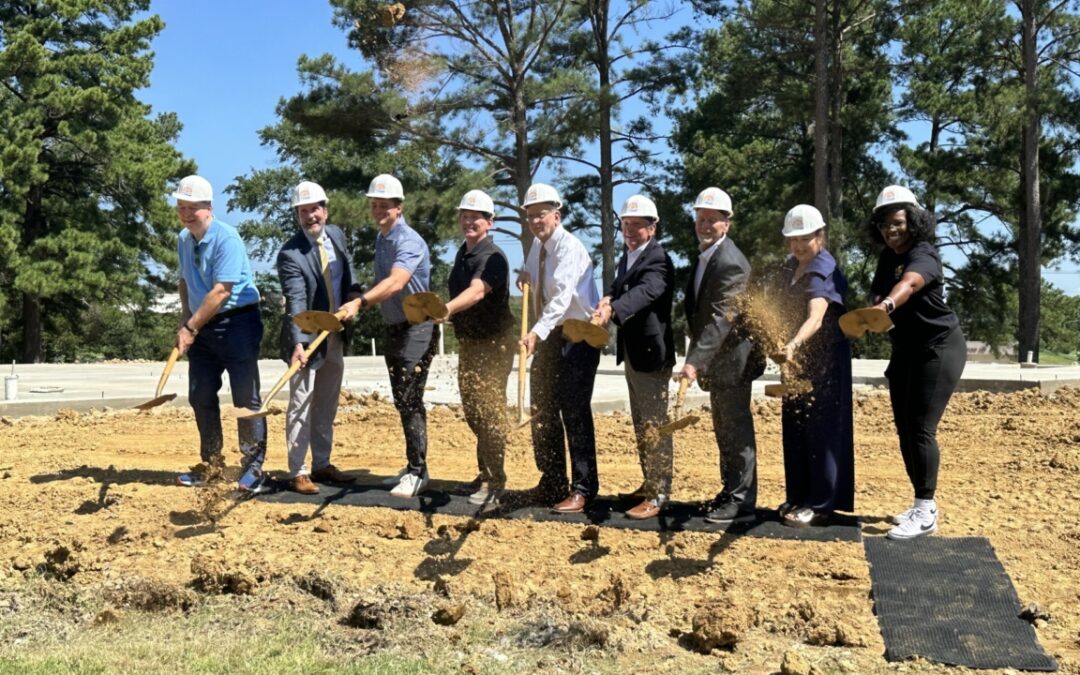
point(364, 615)
point(719, 625)
point(448, 616)
point(61, 563)
point(794, 663)
point(504, 591)
point(150, 595)
point(219, 577)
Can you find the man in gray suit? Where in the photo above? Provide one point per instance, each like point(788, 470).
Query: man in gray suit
point(722, 358)
point(316, 273)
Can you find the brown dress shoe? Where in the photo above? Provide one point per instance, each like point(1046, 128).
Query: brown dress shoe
point(575, 503)
point(303, 485)
point(331, 474)
point(650, 508)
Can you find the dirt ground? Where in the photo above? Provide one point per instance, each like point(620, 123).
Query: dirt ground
point(95, 534)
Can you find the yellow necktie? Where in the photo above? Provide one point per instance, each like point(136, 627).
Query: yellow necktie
point(328, 278)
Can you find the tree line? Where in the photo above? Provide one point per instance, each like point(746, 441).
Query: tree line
point(972, 104)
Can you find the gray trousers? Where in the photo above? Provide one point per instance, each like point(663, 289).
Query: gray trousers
point(648, 408)
point(313, 404)
point(733, 424)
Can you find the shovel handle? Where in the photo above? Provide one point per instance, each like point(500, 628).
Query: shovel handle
point(294, 368)
point(168, 370)
point(523, 354)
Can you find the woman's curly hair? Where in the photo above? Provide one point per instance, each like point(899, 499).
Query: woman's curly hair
point(920, 223)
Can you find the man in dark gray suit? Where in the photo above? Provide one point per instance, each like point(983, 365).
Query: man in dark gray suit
point(316, 273)
point(638, 301)
point(722, 358)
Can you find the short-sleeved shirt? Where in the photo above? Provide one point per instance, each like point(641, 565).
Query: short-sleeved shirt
point(491, 316)
point(822, 278)
point(401, 247)
point(924, 320)
point(220, 257)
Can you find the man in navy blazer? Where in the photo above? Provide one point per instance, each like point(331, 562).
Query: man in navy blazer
point(316, 273)
point(639, 303)
point(722, 358)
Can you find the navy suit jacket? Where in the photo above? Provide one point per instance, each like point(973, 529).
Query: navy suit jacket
point(641, 299)
point(720, 347)
point(302, 284)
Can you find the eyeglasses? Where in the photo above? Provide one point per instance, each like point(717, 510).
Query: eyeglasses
point(537, 217)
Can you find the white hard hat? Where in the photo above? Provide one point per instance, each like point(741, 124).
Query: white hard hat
point(477, 200)
point(385, 186)
point(714, 198)
point(308, 193)
point(194, 189)
point(802, 219)
point(639, 207)
point(895, 194)
point(541, 193)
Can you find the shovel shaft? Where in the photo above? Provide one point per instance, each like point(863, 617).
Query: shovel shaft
point(294, 368)
point(680, 398)
point(168, 370)
point(523, 353)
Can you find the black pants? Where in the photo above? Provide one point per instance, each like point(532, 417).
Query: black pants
point(561, 388)
point(920, 385)
point(409, 350)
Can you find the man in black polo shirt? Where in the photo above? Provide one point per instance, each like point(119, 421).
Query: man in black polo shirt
point(480, 307)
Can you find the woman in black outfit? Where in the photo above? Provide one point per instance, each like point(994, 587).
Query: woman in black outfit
point(928, 348)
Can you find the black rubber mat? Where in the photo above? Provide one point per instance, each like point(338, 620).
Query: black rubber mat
point(950, 601)
point(451, 498)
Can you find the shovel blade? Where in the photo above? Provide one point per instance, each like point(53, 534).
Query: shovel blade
point(155, 402)
point(676, 425)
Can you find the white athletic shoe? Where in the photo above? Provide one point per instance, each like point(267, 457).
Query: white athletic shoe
point(486, 495)
point(901, 517)
point(396, 478)
point(922, 521)
point(410, 485)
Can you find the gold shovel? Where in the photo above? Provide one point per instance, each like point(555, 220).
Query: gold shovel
point(678, 421)
point(857, 322)
point(297, 365)
point(158, 398)
point(578, 330)
point(523, 355)
point(419, 307)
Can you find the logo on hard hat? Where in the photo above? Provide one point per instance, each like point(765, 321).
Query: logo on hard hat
point(889, 194)
point(380, 187)
point(707, 199)
point(797, 222)
point(186, 190)
point(632, 206)
point(532, 194)
point(305, 193)
point(471, 201)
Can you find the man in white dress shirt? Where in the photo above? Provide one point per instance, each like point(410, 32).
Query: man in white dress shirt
point(561, 276)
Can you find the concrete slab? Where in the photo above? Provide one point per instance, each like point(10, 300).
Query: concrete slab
point(45, 388)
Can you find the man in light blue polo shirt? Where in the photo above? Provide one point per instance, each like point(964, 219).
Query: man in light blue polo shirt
point(402, 267)
point(220, 330)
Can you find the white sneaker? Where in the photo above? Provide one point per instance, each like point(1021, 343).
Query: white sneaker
point(410, 485)
point(922, 521)
point(901, 517)
point(395, 479)
point(485, 495)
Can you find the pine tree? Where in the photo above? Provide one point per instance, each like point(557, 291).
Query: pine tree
point(83, 213)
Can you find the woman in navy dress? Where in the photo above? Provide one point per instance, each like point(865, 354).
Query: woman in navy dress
point(819, 458)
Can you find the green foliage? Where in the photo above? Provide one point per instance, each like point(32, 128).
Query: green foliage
point(83, 215)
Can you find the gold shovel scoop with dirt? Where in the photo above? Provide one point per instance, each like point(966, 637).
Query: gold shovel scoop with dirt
point(419, 307)
point(677, 420)
point(160, 398)
point(789, 384)
point(857, 322)
point(309, 322)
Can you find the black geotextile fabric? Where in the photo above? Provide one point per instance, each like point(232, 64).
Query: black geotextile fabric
point(950, 601)
point(451, 498)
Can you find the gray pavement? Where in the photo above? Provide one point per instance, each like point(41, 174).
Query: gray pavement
point(42, 389)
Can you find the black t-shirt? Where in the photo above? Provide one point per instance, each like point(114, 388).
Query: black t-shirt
point(491, 316)
point(924, 320)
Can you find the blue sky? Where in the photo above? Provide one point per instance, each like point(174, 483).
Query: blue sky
point(222, 67)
